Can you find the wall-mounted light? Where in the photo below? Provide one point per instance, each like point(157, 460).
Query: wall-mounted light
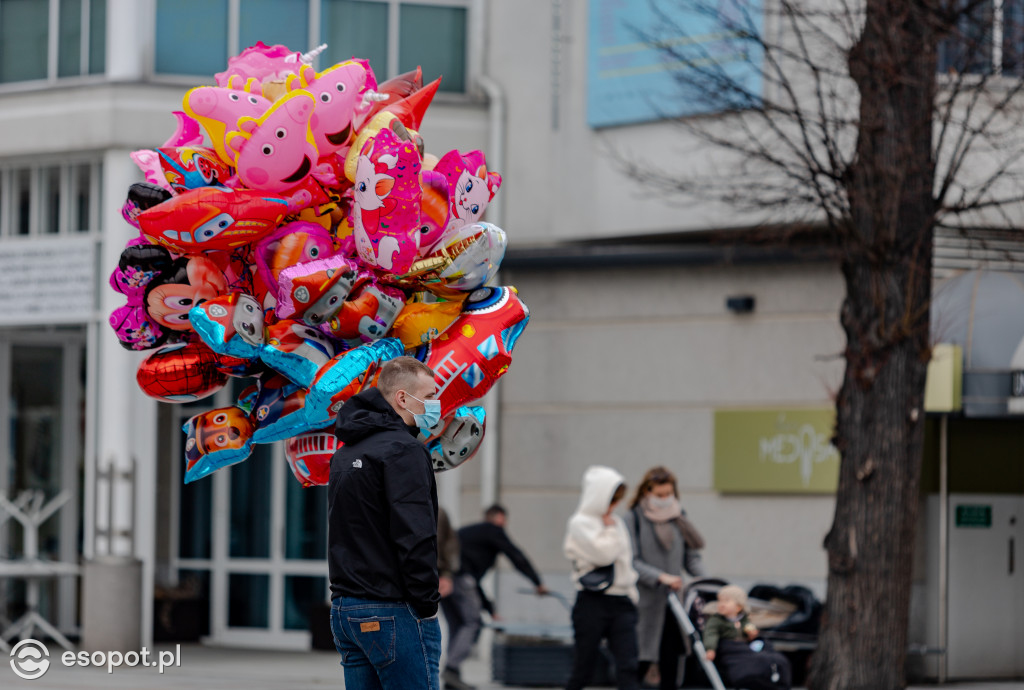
point(740, 304)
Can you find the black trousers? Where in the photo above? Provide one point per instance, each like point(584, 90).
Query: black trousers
point(597, 617)
point(670, 653)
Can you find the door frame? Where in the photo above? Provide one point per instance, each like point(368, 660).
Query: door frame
point(221, 565)
point(1008, 559)
point(72, 458)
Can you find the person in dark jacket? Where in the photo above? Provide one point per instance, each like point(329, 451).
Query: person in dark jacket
point(479, 546)
point(382, 534)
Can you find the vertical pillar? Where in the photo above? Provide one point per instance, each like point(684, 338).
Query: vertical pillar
point(122, 484)
point(129, 38)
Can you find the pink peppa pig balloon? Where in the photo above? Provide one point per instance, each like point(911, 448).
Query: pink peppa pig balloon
point(218, 110)
point(275, 152)
point(338, 92)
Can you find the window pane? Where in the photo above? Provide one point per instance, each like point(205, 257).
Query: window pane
point(250, 505)
point(69, 48)
point(352, 28)
point(191, 36)
point(248, 600)
point(81, 201)
point(306, 522)
point(301, 593)
point(24, 31)
point(49, 196)
point(20, 224)
point(195, 515)
point(98, 37)
point(435, 39)
point(284, 22)
point(35, 424)
point(968, 48)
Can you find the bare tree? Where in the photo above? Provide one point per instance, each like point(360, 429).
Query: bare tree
point(878, 121)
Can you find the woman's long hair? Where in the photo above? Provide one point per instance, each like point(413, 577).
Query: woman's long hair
point(655, 475)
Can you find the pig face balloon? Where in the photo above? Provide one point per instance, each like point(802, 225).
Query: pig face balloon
point(275, 152)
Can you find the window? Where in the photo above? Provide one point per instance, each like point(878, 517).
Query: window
point(989, 39)
point(191, 36)
point(26, 41)
point(49, 198)
point(196, 37)
point(398, 36)
point(260, 20)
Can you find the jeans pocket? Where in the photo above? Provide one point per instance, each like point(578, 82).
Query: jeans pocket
point(336, 627)
point(375, 636)
point(430, 634)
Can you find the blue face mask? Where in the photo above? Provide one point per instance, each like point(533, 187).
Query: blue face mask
point(431, 413)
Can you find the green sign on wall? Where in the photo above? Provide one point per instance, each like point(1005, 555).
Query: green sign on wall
point(974, 516)
point(776, 451)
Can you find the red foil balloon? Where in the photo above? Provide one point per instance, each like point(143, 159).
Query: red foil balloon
point(309, 455)
point(182, 372)
point(476, 350)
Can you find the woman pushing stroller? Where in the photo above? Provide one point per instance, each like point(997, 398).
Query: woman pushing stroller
point(665, 544)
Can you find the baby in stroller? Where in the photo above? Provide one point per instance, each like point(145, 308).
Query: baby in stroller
point(745, 659)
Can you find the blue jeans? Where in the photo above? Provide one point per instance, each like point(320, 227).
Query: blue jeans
point(384, 646)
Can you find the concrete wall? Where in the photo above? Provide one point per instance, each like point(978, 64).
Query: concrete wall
point(625, 367)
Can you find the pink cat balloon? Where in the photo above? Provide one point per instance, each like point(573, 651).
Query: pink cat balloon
point(275, 152)
point(386, 212)
point(470, 185)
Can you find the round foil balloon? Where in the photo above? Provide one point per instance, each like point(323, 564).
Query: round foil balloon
point(182, 372)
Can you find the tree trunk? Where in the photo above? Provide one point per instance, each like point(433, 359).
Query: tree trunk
point(887, 257)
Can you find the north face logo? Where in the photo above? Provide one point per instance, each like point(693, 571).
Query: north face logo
point(357, 463)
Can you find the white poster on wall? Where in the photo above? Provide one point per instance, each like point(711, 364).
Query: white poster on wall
point(47, 281)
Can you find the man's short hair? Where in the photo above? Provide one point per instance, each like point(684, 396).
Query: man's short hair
point(399, 374)
point(494, 511)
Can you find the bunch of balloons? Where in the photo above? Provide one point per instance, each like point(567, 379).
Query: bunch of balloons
point(305, 240)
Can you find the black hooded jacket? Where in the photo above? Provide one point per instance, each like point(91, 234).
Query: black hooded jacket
point(382, 508)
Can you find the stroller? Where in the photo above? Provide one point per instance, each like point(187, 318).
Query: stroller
point(787, 619)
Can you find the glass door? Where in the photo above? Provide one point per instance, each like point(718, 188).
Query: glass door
point(43, 406)
point(258, 541)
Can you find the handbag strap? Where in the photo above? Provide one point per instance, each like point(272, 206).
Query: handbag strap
point(636, 529)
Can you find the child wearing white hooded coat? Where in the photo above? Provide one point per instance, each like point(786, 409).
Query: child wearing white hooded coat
point(596, 537)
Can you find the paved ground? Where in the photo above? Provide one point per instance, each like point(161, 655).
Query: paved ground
point(212, 668)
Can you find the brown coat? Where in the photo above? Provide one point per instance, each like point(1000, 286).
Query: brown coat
point(447, 546)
